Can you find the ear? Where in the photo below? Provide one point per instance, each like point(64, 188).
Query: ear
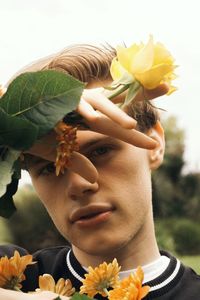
point(156, 155)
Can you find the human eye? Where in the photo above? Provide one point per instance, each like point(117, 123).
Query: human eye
point(47, 169)
point(100, 152)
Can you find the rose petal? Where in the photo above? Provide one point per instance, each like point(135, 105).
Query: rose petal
point(143, 60)
point(152, 78)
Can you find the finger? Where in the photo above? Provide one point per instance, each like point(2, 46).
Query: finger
point(78, 163)
point(83, 166)
point(87, 111)
point(99, 101)
point(145, 94)
point(106, 126)
point(47, 295)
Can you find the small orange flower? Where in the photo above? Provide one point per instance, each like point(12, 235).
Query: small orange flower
point(130, 288)
point(101, 278)
point(66, 137)
point(62, 287)
point(12, 270)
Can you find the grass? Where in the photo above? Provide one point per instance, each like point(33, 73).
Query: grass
point(192, 261)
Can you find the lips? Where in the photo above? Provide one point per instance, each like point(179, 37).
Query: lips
point(89, 212)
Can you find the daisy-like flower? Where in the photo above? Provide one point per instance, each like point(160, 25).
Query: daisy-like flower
point(66, 137)
point(99, 279)
point(130, 288)
point(63, 287)
point(12, 270)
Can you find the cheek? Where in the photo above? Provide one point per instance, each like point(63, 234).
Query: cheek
point(48, 192)
point(129, 180)
point(52, 196)
point(131, 168)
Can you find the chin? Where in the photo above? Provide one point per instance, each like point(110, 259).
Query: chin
point(101, 247)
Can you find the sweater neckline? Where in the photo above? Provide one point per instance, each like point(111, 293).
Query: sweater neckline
point(158, 286)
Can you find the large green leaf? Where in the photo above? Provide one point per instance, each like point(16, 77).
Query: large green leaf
point(7, 206)
point(16, 133)
point(7, 169)
point(33, 104)
point(43, 98)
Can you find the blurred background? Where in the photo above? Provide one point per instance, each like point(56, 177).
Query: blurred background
point(33, 29)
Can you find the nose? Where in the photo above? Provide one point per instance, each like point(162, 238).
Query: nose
point(78, 186)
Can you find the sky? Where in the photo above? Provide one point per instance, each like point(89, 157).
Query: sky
point(31, 29)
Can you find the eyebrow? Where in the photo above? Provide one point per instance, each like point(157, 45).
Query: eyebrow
point(31, 160)
point(95, 141)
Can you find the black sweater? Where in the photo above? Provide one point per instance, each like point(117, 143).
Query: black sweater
point(177, 282)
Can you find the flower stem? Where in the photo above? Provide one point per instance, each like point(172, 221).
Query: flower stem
point(16, 289)
point(112, 94)
point(106, 291)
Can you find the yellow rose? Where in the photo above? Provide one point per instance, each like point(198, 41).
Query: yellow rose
point(150, 64)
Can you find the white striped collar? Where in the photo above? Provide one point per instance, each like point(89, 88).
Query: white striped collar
point(165, 280)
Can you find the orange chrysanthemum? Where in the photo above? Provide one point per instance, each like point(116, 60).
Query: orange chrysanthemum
point(12, 270)
point(62, 287)
point(101, 278)
point(66, 137)
point(130, 288)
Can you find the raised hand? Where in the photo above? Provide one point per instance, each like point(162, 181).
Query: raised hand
point(102, 116)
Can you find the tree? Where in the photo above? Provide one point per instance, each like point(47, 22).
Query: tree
point(167, 196)
point(31, 227)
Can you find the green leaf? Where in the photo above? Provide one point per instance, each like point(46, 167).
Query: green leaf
point(127, 78)
point(7, 169)
point(43, 98)
point(78, 296)
point(132, 92)
point(7, 207)
point(15, 132)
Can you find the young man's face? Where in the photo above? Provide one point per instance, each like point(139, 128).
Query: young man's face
point(108, 215)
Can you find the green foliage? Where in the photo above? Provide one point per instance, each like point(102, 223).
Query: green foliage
point(174, 150)
point(175, 194)
point(7, 206)
point(193, 261)
point(32, 105)
point(30, 226)
point(174, 136)
point(176, 197)
point(132, 92)
point(164, 236)
point(11, 129)
point(77, 296)
point(187, 237)
point(6, 235)
point(42, 97)
point(178, 235)
point(6, 167)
